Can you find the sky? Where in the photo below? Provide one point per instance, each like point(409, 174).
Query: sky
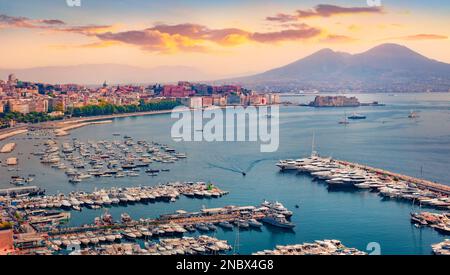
point(223, 38)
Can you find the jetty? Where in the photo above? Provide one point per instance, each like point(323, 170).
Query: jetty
point(8, 148)
point(64, 131)
point(12, 133)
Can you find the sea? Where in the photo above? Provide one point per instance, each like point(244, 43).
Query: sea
point(386, 139)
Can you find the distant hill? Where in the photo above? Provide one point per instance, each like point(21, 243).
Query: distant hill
point(112, 73)
point(387, 67)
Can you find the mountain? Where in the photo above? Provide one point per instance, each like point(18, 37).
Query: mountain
point(387, 67)
point(112, 73)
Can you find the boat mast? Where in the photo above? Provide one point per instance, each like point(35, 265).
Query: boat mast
point(313, 151)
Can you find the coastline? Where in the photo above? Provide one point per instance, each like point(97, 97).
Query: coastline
point(63, 126)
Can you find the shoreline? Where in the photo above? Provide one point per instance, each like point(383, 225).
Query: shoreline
point(73, 123)
point(65, 125)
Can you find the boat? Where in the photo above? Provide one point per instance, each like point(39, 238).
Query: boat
point(357, 116)
point(125, 217)
point(344, 121)
point(242, 224)
point(442, 228)
point(129, 235)
point(363, 185)
point(254, 223)
point(413, 114)
point(201, 227)
point(190, 228)
point(225, 225)
point(278, 221)
point(211, 226)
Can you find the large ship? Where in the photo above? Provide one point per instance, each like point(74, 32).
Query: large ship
point(277, 220)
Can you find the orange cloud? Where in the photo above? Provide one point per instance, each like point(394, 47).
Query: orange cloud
point(423, 36)
point(194, 37)
point(332, 38)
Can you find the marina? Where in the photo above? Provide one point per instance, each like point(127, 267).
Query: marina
point(325, 247)
point(202, 245)
point(438, 221)
point(343, 174)
point(168, 192)
point(81, 161)
point(45, 228)
point(442, 248)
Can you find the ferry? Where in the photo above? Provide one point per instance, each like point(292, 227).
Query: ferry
point(357, 116)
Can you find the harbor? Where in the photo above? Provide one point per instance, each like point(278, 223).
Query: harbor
point(353, 215)
point(43, 232)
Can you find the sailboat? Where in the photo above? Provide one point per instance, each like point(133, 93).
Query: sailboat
point(344, 121)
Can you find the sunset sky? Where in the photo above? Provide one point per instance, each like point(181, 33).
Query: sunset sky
point(224, 38)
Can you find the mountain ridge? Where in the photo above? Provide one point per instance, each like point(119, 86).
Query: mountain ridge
point(386, 67)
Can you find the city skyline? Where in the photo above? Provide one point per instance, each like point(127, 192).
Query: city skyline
point(224, 38)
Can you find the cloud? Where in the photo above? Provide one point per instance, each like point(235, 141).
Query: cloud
point(283, 35)
point(88, 30)
point(333, 38)
point(154, 40)
point(423, 36)
point(323, 10)
point(24, 22)
point(196, 38)
point(282, 17)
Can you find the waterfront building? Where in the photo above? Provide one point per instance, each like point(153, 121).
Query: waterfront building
point(19, 106)
point(207, 101)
